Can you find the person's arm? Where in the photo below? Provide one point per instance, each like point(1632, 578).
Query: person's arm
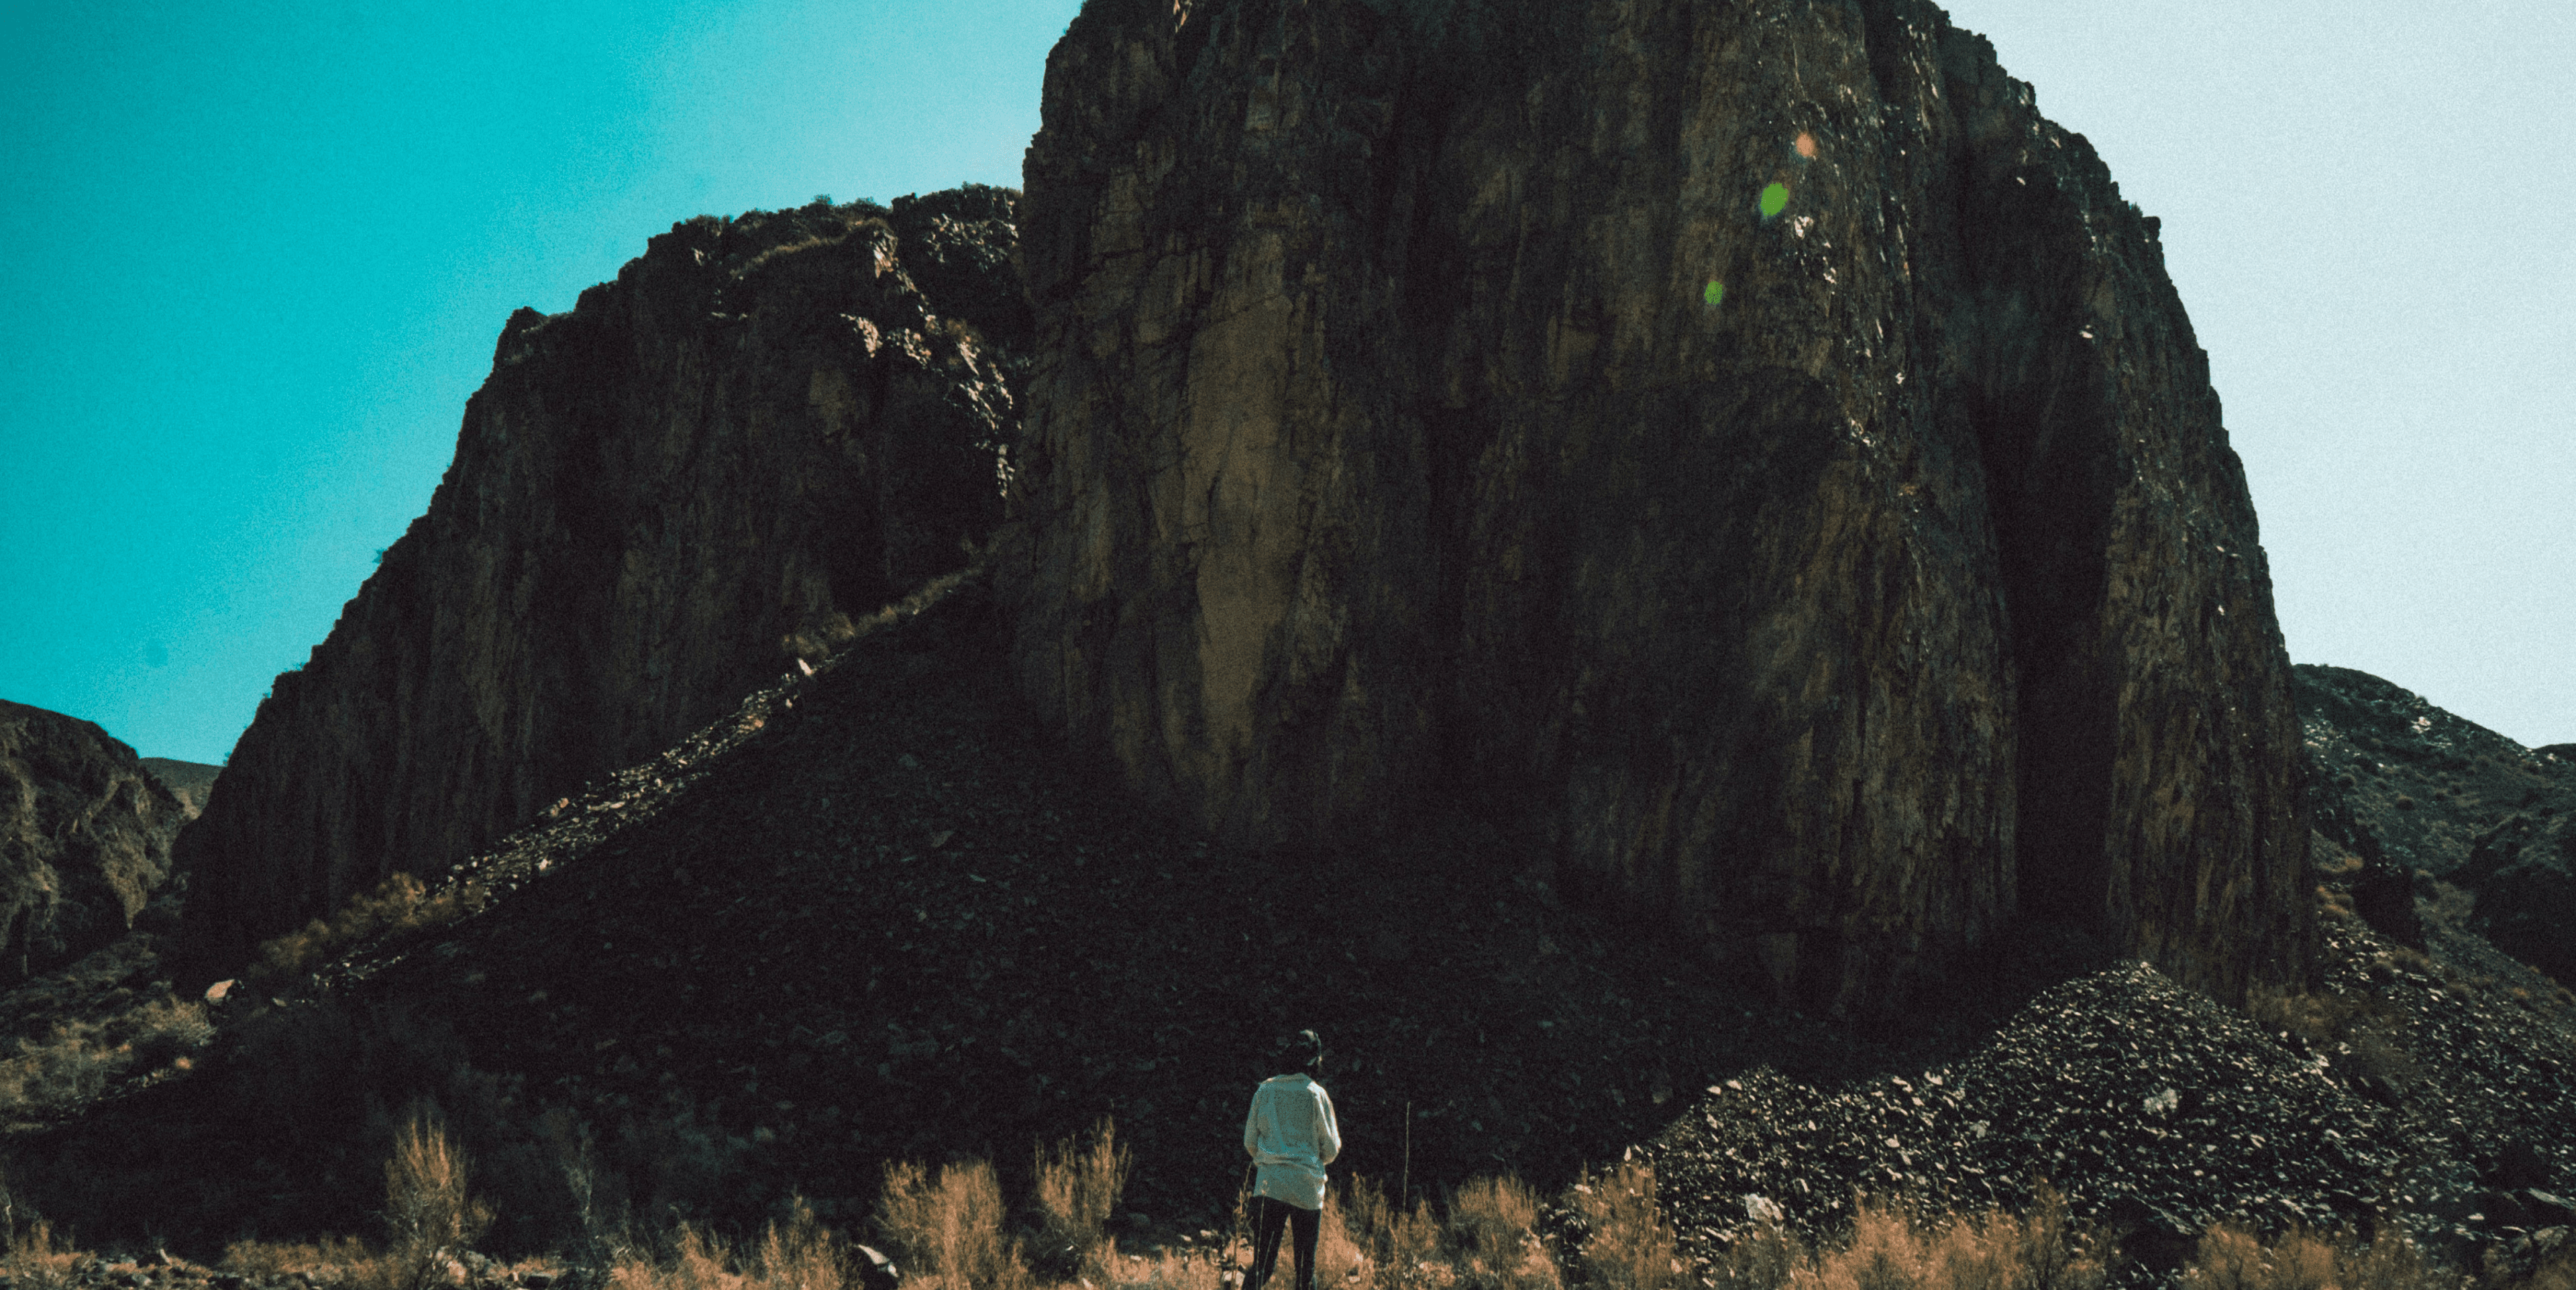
point(1328, 1132)
point(1252, 1139)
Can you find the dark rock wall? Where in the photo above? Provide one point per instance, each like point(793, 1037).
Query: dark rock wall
point(762, 424)
point(1430, 405)
point(85, 836)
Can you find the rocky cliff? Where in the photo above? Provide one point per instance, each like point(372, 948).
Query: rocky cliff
point(763, 426)
point(1746, 446)
point(85, 836)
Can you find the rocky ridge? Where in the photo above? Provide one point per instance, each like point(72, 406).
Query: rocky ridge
point(1748, 447)
point(85, 838)
point(764, 426)
point(2421, 799)
point(188, 781)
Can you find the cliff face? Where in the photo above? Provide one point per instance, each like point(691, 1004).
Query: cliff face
point(85, 837)
point(1744, 445)
point(762, 426)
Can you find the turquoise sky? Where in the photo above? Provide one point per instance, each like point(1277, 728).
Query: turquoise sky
point(257, 258)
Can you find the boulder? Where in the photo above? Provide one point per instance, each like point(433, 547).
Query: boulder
point(1745, 452)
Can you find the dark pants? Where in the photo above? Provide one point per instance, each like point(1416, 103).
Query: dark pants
point(1268, 1216)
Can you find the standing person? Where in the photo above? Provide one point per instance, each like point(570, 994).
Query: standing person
point(1291, 1135)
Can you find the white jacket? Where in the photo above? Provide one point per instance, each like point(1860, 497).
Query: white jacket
point(1291, 1135)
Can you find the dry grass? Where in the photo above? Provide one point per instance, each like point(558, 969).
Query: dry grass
point(2232, 1258)
point(429, 1215)
point(2557, 1274)
point(1494, 1239)
point(430, 1219)
point(949, 1230)
point(77, 1060)
point(946, 1228)
point(344, 1260)
point(34, 1261)
point(1379, 1242)
point(1888, 1249)
point(1630, 1246)
point(796, 1253)
point(400, 903)
point(1078, 1186)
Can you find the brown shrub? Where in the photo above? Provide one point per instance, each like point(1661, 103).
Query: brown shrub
point(946, 1228)
point(34, 1261)
point(401, 903)
point(797, 1253)
point(429, 1215)
point(2319, 1017)
point(2232, 1258)
point(335, 1259)
point(1494, 1240)
point(1630, 1246)
point(1078, 1186)
point(76, 1060)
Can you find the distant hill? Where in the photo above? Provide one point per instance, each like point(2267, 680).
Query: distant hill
point(189, 781)
point(2450, 801)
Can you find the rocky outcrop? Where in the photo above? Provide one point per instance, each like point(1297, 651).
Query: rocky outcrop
point(85, 836)
point(2524, 873)
point(1746, 446)
point(2395, 772)
point(763, 426)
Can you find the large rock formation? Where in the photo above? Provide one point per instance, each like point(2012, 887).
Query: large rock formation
point(762, 426)
point(1746, 445)
point(85, 836)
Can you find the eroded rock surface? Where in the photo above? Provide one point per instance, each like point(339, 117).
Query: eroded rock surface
point(1746, 446)
point(85, 836)
point(763, 426)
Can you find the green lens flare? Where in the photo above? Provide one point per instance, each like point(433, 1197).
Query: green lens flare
point(1716, 292)
point(1775, 197)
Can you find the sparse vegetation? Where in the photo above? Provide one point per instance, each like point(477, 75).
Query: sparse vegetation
point(1889, 1248)
point(1077, 1186)
point(946, 1227)
point(1628, 1246)
point(334, 1260)
point(78, 1059)
point(430, 1216)
point(949, 1229)
point(401, 903)
point(2232, 1258)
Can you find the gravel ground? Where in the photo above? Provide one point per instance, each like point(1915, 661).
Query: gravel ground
point(2158, 1113)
